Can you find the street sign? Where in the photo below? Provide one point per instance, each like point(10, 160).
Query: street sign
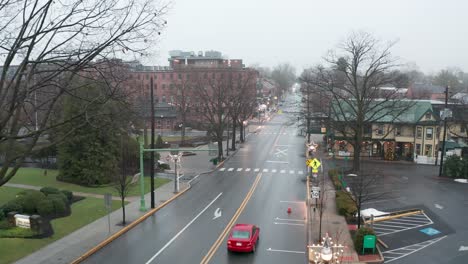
point(315, 192)
point(108, 200)
point(313, 163)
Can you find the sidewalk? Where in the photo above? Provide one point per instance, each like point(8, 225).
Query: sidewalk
point(332, 223)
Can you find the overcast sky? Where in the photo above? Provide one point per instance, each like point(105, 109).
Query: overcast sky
point(433, 34)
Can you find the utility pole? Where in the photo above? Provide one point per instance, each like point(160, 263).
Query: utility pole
point(444, 134)
point(152, 144)
point(308, 114)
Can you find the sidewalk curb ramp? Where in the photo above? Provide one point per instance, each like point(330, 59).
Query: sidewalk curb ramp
point(395, 215)
point(125, 229)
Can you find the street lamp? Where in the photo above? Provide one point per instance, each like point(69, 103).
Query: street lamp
point(326, 251)
point(162, 124)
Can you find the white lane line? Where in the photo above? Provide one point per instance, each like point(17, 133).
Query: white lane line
point(425, 244)
point(273, 170)
point(396, 226)
point(283, 171)
point(230, 169)
point(286, 251)
point(404, 224)
point(277, 161)
point(379, 228)
point(222, 169)
point(400, 230)
point(239, 169)
point(248, 169)
point(300, 172)
point(286, 219)
point(277, 223)
point(183, 229)
point(301, 202)
point(408, 220)
point(265, 170)
point(291, 172)
point(256, 170)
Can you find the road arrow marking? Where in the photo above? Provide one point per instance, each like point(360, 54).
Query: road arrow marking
point(285, 219)
point(217, 213)
point(463, 248)
point(438, 206)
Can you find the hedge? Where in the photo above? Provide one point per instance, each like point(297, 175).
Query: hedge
point(334, 176)
point(68, 194)
point(29, 199)
point(12, 206)
point(359, 237)
point(456, 167)
point(345, 205)
point(2, 215)
point(59, 196)
point(59, 205)
point(45, 208)
point(49, 190)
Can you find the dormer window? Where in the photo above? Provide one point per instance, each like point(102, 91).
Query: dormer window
point(428, 115)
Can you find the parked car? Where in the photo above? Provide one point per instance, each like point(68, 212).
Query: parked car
point(243, 238)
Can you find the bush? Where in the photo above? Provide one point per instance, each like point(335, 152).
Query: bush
point(164, 166)
point(359, 237)
point(49, 190)
point(58, 196)
point(456, 167)
point(17, 232)
point(4, 224)
point(29, 199)
point(2, 215)
point(12, 206)
point(345, 205)
point(45, 208)
point(59, 206)
point(68, 194)
point(334, 176)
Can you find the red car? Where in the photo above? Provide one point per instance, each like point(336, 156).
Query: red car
point(243, 238)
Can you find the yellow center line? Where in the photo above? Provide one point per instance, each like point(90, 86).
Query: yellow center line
point(223, 234)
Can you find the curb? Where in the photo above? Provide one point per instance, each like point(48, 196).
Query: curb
point(125, 229)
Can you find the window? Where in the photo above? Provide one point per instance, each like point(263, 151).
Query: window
point(164, 99)
point(428, 115)
point(164, 86)
point(429, 132)
point(171, 86)
point(418, 149)
point(428, 151)
point(147, 76)
point(379, 130)
point(172, 99)
point(171, 76)
point(180, 76)
point(240, 234)
point(156, 99)
point(418, 132)
point(398, 131)
point(462, 128)
point(164, 76)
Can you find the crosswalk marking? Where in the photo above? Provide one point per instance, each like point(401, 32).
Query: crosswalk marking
point(273, 170)
point(248, 169)
point(239, 169)
point(222, 169)
point(257, 169)
point(230, 169)
point(283, 171)
point(291, 172)
point(265, 170)
point(299, 172)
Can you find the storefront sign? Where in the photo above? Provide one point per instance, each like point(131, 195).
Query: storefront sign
point(22, 221)
point(344, 153)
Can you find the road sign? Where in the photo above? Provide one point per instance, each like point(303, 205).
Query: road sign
point(108, 200)
point(315, 192)
point(314, 163)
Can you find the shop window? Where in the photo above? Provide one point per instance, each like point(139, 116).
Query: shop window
point(418, 149)
point(379, 130)
point(429, 132)
point(428, 150)
point(418, 132)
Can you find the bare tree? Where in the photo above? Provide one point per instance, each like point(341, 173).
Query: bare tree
point(128, 166)
point(352, 84)
point(361, 189)
point(212, 96)
point(45, 45)
point(183, 102)
point(284, 75)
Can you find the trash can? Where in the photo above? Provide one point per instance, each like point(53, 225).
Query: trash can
point(215, 161)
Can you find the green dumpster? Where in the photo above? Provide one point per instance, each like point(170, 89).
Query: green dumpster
point(369, 242)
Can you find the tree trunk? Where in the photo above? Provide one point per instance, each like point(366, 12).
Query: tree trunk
point(356, 157)
point(220, 149)
point(359, 215)
point(182, 133)
point(242, 132)
point(233, 142)
point(123, 210)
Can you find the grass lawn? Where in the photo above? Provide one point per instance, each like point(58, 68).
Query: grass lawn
point(83, 213)
point(7, 194)
point(35, 177)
